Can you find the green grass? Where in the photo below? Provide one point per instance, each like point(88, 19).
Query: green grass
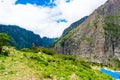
point(20, 65)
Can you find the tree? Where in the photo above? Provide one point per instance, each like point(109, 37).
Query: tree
point(34, 48)
point(4, 38)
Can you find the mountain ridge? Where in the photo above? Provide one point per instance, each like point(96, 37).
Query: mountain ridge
point(74, 25)
point(22, 38)
point(89, 40)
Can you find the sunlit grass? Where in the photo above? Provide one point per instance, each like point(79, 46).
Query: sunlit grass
point(40, 66)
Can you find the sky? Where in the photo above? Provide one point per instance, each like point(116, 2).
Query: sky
point(45, 17)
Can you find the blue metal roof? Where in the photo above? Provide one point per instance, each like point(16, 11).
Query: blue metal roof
point(115, 75)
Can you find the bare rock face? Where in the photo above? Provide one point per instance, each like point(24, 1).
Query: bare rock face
point(89, 40)
point(115, 2)
point(110, 7)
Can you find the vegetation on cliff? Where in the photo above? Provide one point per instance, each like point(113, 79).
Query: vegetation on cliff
point(112, 31)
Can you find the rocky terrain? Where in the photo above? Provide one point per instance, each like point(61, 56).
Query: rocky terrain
point(96, 39)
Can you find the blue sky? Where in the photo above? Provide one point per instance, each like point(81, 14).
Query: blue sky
point(45, 3)
point(45, 17)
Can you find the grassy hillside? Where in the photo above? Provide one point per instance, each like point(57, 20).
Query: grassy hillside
point(18, 65)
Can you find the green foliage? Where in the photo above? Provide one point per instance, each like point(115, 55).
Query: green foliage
point(4, 38)
point(116, 63)
point(2, 66)
point(112, 29)
point(6, 53)
point(41, 66)
point(66, 57)
point(47, 51)
point(42, 49)
point(26, 50)
point(95, 24)
point(87, 40)
point(34, 48)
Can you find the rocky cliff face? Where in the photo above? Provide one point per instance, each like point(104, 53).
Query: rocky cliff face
point(92, 39)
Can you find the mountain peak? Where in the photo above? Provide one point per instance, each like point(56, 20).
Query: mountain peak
point(111, 7)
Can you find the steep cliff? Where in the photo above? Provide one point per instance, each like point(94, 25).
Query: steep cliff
point(97, 38)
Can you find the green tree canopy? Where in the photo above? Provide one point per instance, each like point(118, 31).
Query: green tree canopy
point(4, 38)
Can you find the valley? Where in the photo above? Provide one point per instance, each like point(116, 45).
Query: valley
point(88, 49)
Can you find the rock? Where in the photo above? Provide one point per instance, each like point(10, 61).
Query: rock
point(89, 39)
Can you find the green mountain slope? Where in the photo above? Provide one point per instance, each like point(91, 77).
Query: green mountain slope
point(20, 65)
point(74, 25)
point(22, 38)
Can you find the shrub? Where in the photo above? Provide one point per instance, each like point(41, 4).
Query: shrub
point(47, 51)
point(26, 50)
point(69, 57)
point(34, 48)
point(6, 53)
point(4, 38)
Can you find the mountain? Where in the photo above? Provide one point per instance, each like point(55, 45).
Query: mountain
point(22, 38)
point(48, 41)
point(70, 28)
point(74, 25)
point(97, 39)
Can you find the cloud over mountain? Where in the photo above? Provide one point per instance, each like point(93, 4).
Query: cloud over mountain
point(46, 20)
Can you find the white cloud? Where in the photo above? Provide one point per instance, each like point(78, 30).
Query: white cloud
point(42, 20)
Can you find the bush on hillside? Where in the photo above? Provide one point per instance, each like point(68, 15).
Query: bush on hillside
point(26, 50)
point(6, 53)
point(6, 50)
point(46, 51)
point(4, 38)
point(35, 48)
point(69, 57)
